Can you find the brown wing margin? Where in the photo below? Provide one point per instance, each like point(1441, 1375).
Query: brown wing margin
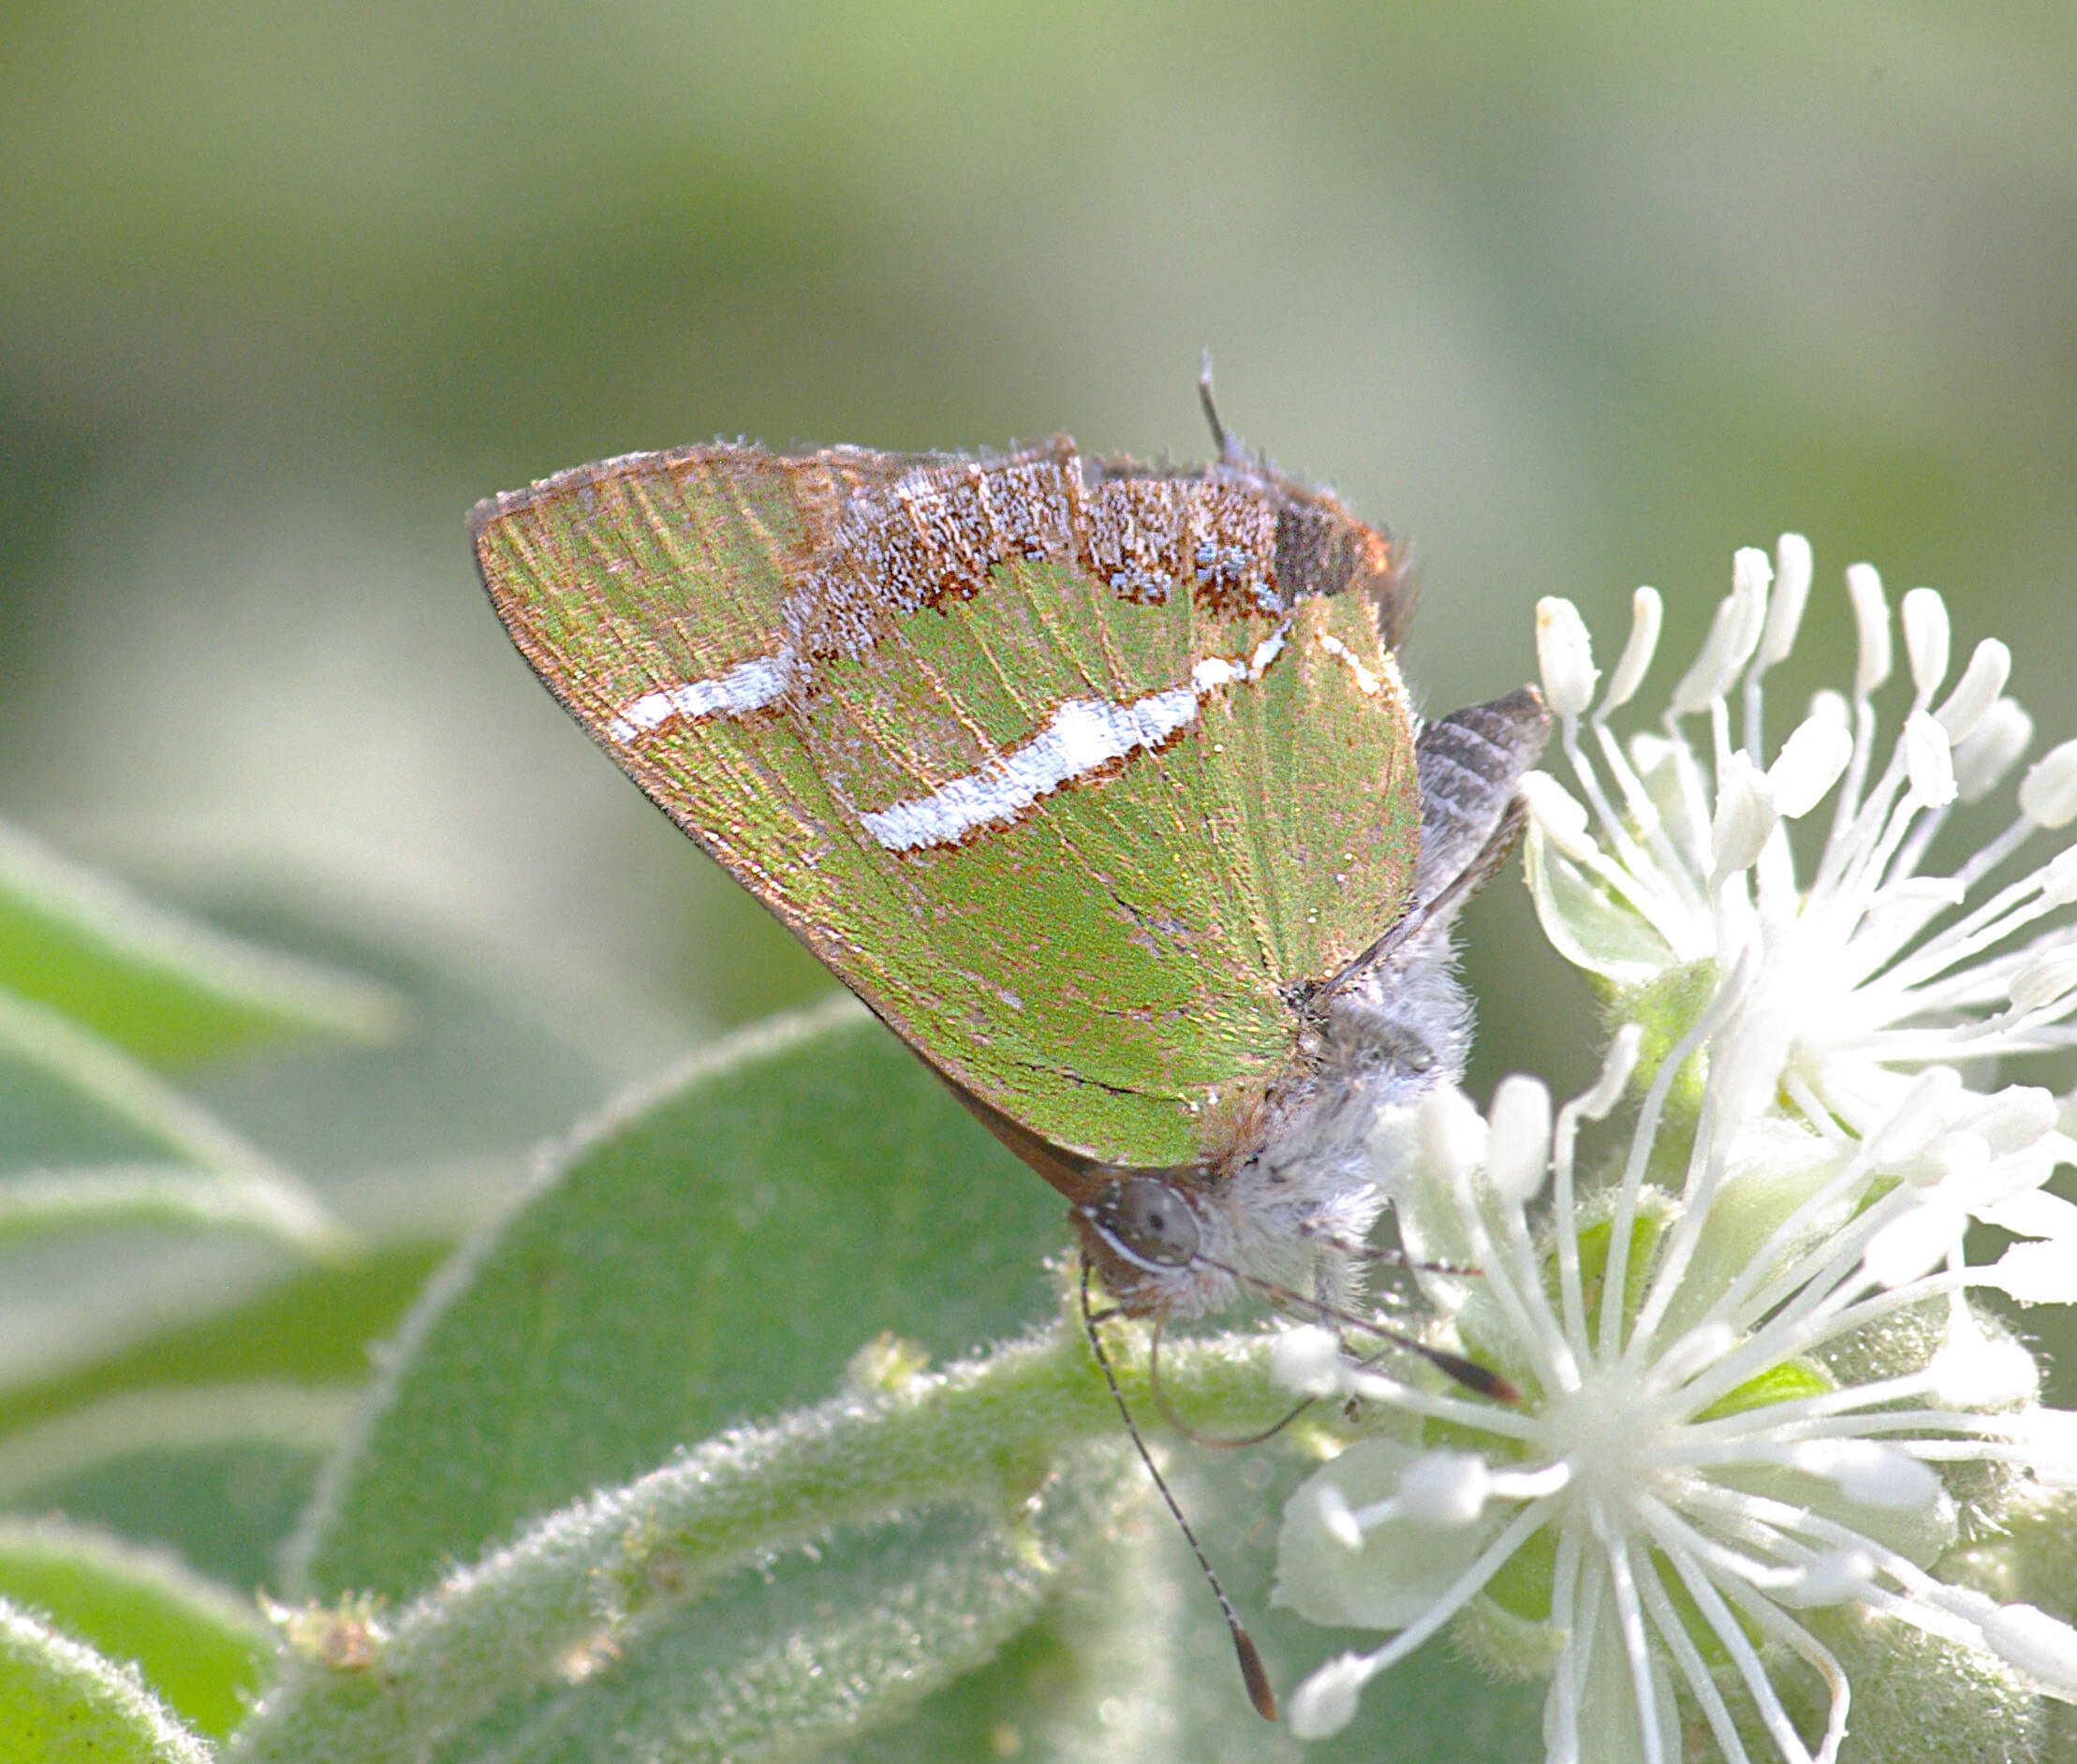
point(848, 466)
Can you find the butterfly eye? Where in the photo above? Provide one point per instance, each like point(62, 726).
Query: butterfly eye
point(1148, 1221)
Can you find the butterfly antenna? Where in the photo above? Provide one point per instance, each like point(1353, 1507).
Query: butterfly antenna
point(1229, 450)
point(1222, 1441)
point(1479, 1379)
point(1253, 1673)
point(1380, 1256)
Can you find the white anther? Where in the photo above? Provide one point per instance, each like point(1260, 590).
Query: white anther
point(1746, 816)
point(1927, 639)
point(1751, 573)
point(1914, 1242)
point(1871, 621)
point(1564, 656)
point(1710, 673)
point(1831, 1580)
point(2059, 886)
point(1306, 1361)
point(1444, 1488)
point(1928, 760)
point(1338, 1519)
point(1326, 1702)
point(2042, 1646)
point(2015, 1118)
point(2038, 1272)
point(1793, 567)
point(1560, 815)
point(1862, 1470)
point(1927, 1107)
point(2049, 1438)
point(1978, 1370)
point(1977, 690)
point(2048, 979)
point(2048, 793)
point(1647, 614)
point(1617, 1068)
point(1810, 762)
point(1994, 747)
point(1518, 1139)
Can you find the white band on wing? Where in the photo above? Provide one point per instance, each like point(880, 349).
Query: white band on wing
point(1079, 737)
point(1366, 682)
point(749, 685)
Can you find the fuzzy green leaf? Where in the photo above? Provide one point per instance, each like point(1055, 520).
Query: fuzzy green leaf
point(63, 1703)
point(716, 1248)
point(945, 1510)
point(799, 1651)
point(163, 987)
point(44, 1204)
point(102, 1074)
point(218, 1475)
point(311, 1329)
point(201, 1648)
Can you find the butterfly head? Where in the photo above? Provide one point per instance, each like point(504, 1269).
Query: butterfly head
point(1262, 1214)
point(1147, 1234)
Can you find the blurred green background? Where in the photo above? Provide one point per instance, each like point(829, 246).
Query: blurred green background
point(1575, 296)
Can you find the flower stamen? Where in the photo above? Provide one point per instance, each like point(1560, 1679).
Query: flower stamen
point(1751, 1382)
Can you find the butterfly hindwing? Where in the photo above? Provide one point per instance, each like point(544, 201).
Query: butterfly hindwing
point(1053, 773)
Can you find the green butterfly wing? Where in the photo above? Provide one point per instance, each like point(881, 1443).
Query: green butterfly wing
point(1077, 828)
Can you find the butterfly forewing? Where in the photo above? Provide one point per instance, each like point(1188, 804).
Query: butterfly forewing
point(1016, 756)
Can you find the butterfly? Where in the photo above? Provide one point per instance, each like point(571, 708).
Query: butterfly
point(1096, 780)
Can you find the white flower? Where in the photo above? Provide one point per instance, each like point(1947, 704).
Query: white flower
point(1863, 965)
point(1766, 1446)
point(1758, 1435)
